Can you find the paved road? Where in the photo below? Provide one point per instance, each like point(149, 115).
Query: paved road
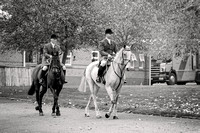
point(20, 117)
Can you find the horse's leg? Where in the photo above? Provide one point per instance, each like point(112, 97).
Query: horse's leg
point(42, 92)
point(107, 115)
point(115, 116)
point(96, 90)
point(54, 104)
point(111, 95)
point(37, 91)
point(87, 114)
point(38, 98)
point(57, 106)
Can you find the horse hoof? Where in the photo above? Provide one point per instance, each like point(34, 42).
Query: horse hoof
point(53, 114)
point(87, 115)
point(58, 114)
point(98, 117)
point(41, 114)
point(115, 117)
point(107, 116)
point(37, 108)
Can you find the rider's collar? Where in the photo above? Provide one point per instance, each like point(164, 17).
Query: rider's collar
point(109, 40)
point(53, 45)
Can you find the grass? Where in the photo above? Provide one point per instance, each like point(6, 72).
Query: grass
point(162, 100)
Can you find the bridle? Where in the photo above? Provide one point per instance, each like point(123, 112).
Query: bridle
point(54, 68)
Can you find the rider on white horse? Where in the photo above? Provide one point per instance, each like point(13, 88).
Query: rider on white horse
point(107, 49)
point(49, 50)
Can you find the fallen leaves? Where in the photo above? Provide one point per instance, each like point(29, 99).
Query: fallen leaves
point(182, 101)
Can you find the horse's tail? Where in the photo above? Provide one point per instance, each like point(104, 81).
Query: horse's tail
point(31, 91)
point(82, 86)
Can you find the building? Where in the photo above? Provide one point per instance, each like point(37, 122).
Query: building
point(14, 63)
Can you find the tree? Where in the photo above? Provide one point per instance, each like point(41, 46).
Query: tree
point(155, 25)
point(33, 21)
point(179, 27)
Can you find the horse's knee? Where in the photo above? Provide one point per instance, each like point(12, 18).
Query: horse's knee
point(44, 68)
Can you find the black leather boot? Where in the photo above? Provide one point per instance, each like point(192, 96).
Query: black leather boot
point(64, 71)
point(99, 74)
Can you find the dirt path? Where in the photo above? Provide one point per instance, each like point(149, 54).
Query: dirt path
point(20, 117)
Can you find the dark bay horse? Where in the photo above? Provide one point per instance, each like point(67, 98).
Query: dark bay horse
point(54, 80)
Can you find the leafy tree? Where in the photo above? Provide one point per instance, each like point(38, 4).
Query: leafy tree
point(33, 21)
point(155, 25)
point(179, 26)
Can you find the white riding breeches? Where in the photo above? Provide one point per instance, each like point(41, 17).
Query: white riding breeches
point(64, 67)
point(103, 62)
point(45, 68)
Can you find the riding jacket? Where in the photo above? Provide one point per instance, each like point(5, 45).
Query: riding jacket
point(48, 51)
point(106, 48)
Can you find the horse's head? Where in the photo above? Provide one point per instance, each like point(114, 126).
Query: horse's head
point(55, 66)
point(123, 56)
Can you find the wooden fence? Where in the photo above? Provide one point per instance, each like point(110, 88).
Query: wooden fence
point(21, 76)
point(15, 76)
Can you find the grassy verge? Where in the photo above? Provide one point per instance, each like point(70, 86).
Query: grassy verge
point(170, 101)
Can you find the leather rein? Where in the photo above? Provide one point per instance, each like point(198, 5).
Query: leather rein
point(121, 69)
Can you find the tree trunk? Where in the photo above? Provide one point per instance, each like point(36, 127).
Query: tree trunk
point(65, 56)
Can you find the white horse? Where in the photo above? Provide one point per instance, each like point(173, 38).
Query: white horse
point(114, 80)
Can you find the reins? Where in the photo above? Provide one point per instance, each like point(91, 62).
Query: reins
point(121, 70)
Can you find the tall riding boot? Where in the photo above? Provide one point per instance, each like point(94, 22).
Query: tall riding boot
point(42, 76)
point(64, 71)
point(100, 73)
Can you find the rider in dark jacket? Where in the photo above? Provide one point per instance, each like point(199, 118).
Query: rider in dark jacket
point(50, 49)
point(107, 49)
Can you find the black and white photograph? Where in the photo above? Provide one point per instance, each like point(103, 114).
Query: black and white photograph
point(99, 66)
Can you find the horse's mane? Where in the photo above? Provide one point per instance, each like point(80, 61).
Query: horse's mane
point(118, 57)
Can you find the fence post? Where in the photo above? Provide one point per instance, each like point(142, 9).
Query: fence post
point(24, 58)
point(149, 70)
point(69, 59)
